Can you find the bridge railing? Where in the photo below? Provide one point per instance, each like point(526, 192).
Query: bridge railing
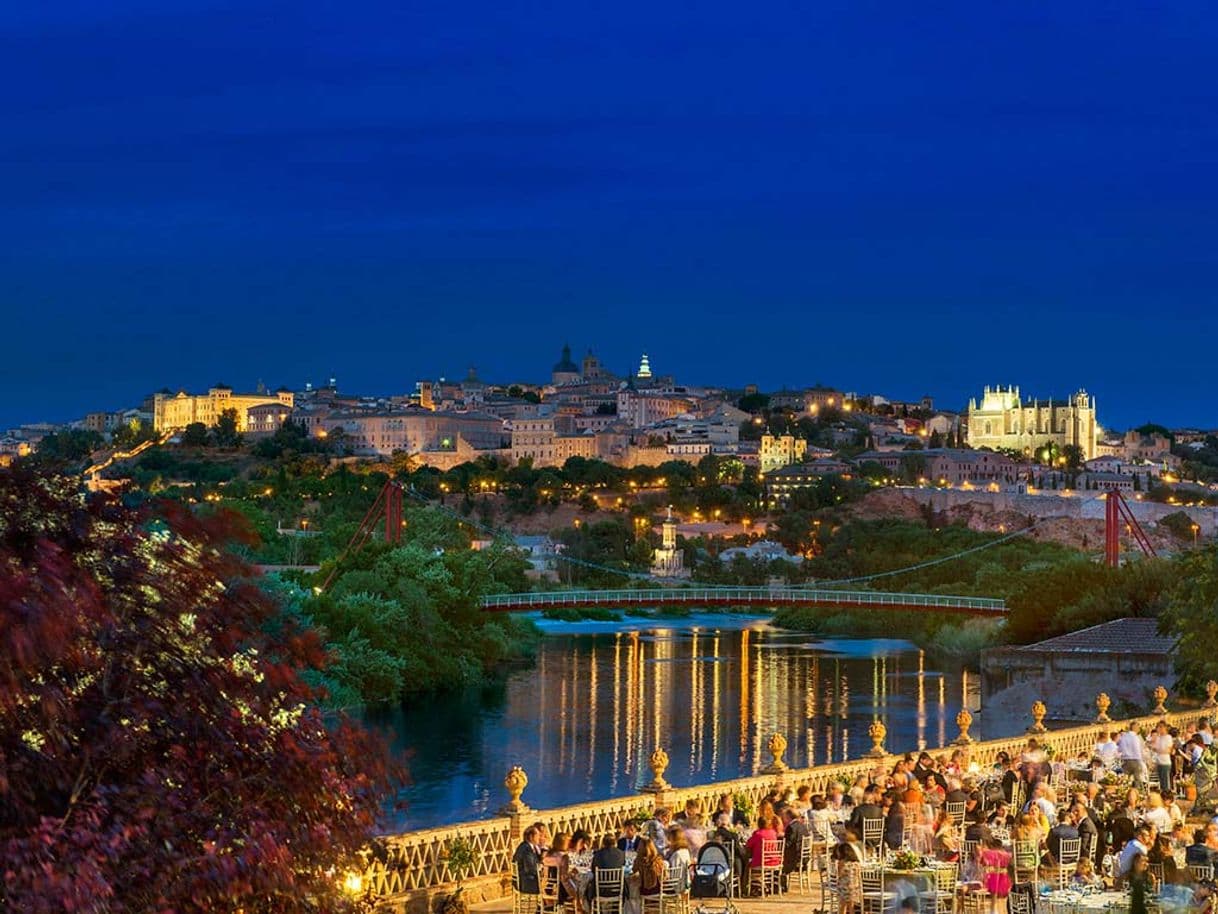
point(738, 594)
point(410, 868)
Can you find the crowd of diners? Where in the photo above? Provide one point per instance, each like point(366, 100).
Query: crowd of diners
point(997, 825)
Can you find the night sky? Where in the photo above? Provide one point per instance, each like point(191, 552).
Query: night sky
point(904, 198)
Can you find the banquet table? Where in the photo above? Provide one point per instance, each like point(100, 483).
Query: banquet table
point(582, 864)
point(1071, 901)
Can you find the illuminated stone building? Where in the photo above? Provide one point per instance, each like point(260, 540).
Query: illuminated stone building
point(1003, 420)
point(780, 451)
point(669, 561)
point(173, 412)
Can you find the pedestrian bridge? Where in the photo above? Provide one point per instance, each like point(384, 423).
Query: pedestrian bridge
point(764, 597)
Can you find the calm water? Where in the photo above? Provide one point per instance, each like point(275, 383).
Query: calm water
point(710, 689)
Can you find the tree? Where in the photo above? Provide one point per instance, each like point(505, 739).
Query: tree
point(1192, 617)
point(225, 430)
point(67, 446)
point(1074, 456)
point(158, 751)
point(129, 434)
point(195, 435)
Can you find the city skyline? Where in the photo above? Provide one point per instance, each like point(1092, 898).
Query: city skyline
point(12, 415)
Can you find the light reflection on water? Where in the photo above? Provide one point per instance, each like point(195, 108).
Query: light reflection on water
point(585, 718)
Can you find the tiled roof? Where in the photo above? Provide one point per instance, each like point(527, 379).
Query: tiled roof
point(1131, 635)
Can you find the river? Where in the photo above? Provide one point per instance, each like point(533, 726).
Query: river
point(583, 720)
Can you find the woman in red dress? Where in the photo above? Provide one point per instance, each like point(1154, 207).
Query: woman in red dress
point(995, 863)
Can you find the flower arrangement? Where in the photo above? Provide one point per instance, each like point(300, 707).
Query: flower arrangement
point(742, 803)
point(906, 860)
point(1049, 750)
point(640, 816)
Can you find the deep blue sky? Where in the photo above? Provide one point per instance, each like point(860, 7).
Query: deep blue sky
point(900, 197)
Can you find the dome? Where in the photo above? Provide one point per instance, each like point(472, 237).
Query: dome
point(565, 365)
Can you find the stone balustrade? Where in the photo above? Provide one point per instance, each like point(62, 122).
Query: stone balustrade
point(407, 871)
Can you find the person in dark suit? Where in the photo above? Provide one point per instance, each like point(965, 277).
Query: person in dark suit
point(527, 861)
point(795, 829)
point(1063, 831)
point(608, 857)
point(868, 809)
point(1088, 828)
point(629, 839)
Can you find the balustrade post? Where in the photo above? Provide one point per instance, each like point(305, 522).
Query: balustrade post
point(515, 781)
point(1038, 715)
point(1102, 704)
point(1160, 696)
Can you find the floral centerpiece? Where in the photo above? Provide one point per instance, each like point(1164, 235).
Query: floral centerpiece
point(906, 860)
point(745, 806)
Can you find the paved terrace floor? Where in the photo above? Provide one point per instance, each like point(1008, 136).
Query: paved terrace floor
point(783, 904)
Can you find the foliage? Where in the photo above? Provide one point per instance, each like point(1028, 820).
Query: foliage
point(744, 804)
point(407, 619)
point(224, 432)
point(157, 751)
point(1180, 525)
point(1191, 616)
point(460, 856)
point(195, 435)
point(66, 447)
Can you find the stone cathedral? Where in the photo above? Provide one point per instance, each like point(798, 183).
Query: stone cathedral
point(1004, 420)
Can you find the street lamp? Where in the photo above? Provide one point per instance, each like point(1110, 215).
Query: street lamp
point(1196, 528)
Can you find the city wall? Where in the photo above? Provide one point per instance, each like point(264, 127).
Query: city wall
point(409, 872)
point(1082, 506)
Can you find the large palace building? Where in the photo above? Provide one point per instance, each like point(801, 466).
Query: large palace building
point(1003, 420)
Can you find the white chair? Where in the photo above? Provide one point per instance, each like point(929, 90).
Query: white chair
point(941, 898)
point(1201, 872)
point(768, 877)
point(876, 899)
point(805, 864)
point(674, 890)
point(608, 891)
point(525, 902)
point(1027, 863)
point(828, 886)
point(955, 812)
point(1068, 851)
point(1019, 903)
point(873, 838)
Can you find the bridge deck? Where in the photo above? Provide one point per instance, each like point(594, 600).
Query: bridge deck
point(744, 596)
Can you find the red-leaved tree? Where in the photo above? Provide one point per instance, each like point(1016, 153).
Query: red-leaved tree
point(157, 753)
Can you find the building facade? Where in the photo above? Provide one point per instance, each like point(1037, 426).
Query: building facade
point(778, 451)
point(173, 412)
point(1003, 420)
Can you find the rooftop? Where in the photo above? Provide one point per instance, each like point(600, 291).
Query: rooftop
point(1118, 636)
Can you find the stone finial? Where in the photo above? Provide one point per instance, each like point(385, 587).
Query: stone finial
point(964, 720)
point(1211, 690)
point(515, 781)
point(776, 745)
point(659, 764)
point(877, 731)
point(1102, 704)
point(1038, 716)
point(1160, 696)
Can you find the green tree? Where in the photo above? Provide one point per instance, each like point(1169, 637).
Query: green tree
point(1192, 617)
point(224, 432)
point(67, 446)
point(195, 435)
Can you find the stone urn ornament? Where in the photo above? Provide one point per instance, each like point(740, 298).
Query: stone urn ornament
point(1102, 704)
point(877, 731)
point(1160, 696)
point(659, 764)
point(1211, 690)
point(1038, 716)
point(515, 781)
point(777, 746)
point(964, 720)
